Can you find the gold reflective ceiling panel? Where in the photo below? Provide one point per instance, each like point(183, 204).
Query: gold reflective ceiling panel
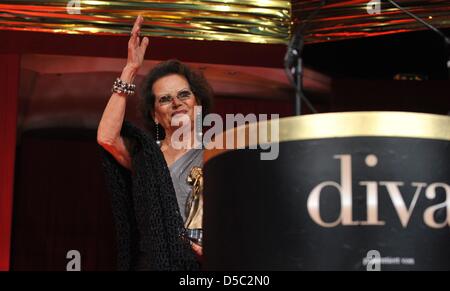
point(264, 21)
point(339, 20)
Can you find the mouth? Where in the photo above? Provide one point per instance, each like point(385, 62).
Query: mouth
point(179, 112)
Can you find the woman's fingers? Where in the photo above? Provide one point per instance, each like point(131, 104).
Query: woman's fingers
point(134, 39)
point(197, 249)
point(144, 45)
point(136, 47)
point(137, 25)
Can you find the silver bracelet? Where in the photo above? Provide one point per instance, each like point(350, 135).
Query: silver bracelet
point(122, 87)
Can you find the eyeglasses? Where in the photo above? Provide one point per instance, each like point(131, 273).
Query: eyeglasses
point(182, 96)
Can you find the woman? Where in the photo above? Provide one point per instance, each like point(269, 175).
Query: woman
point(147, 211)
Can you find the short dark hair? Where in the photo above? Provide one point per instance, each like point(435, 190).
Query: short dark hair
point(197, 82)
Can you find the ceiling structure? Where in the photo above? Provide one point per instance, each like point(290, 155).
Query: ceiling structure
point(50, 92)
point(339, 20)
point(255, 21)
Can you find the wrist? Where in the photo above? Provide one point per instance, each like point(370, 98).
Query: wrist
point(128, 74)
point(123, 87)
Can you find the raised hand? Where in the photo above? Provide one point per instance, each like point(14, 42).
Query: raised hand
point(136, 47)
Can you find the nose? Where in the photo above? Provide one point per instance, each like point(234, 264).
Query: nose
point(176, 102)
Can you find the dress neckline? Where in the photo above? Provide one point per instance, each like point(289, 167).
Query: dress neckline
point(182, 158)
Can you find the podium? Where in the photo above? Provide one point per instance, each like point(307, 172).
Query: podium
point(347, 191)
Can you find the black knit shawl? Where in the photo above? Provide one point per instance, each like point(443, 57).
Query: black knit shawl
point(149, 226)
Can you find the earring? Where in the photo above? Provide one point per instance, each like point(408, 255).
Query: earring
point(158, 142)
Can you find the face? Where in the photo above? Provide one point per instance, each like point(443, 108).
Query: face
point(173, 96)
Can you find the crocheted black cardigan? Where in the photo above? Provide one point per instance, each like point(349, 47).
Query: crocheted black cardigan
point(149, 226)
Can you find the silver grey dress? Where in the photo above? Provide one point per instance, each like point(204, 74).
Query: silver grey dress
point(179, 171)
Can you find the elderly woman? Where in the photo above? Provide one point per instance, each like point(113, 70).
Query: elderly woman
point(156, 185)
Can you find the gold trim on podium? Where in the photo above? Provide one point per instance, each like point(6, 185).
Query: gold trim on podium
point(347, 124)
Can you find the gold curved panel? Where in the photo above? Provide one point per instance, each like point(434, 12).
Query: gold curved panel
point(339, 20)
point(263, 21)
point(347, 124)
point(257, 21)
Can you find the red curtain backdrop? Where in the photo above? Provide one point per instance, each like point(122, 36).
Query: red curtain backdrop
point(61, 203)
point(9, 76)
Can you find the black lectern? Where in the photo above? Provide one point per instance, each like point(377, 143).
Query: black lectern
point(347, 191)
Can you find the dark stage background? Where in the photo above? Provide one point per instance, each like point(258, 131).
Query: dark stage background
point(60, 200)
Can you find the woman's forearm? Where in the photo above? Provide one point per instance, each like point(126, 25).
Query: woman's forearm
point(114, 113)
